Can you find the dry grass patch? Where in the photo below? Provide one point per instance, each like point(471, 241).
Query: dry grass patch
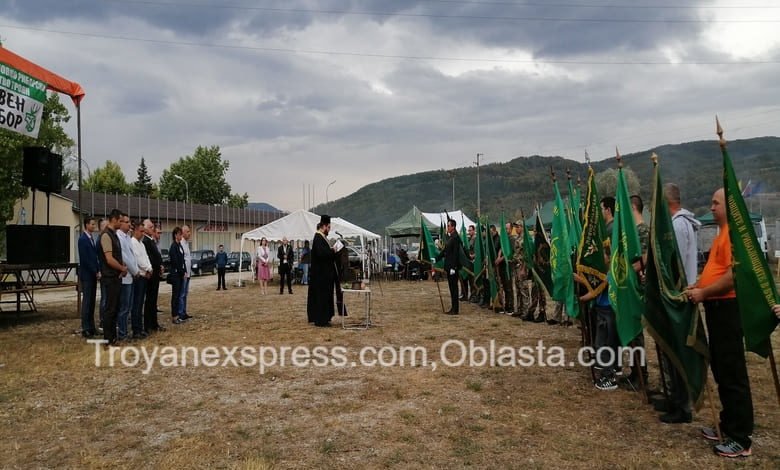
point(58, 410)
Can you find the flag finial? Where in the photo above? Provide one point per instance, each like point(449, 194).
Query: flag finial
point(587, 157)
point(552, 173)
point(619, 158)
point(654, 158)
point(568, 174)
point(719, 131)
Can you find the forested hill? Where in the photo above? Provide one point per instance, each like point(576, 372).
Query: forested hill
point(523, 181)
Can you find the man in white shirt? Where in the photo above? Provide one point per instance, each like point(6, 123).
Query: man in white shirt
point(126, 291)
point(140, 282)
point(185, 288)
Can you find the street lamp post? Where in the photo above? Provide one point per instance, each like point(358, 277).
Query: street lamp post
point(186, 196)
point(326, 190)
point(81, 162)
point(452, 176)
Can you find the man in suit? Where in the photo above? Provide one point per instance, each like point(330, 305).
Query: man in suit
point(285, 257)
point(89, 273)
point(451, 264)
point(176, 275)
point(153, 283)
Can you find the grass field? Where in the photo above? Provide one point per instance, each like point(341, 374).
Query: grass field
point(58, 409)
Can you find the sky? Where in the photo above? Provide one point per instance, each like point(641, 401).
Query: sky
point(301, 93)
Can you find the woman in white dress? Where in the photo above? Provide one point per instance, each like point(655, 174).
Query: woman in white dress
point(262, 260)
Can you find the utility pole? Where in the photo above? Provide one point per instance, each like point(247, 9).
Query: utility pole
point(477, 162)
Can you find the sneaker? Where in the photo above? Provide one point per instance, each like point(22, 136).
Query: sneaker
point(606, 383)
point(731, 448)
point(178, 321)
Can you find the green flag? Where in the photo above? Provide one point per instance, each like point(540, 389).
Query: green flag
point(479, 256)
point(428, 249)
point(625, 294)
point(560, 258)
point(753, 282)
point(575, 224)
point(541, 264)
point(491, 267)
point(506, 246)
point(528, 248)
point(672, 321)
point(466, 266)
point(590, 252)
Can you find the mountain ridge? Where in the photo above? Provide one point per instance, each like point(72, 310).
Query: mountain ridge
point(525, 180)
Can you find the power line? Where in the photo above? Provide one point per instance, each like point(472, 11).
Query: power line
point(387, 56)
point(604, 5)
point(441, 16)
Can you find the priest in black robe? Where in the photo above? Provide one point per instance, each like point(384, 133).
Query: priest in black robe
point(322, 277)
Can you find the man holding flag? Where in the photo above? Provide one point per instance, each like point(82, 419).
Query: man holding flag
point(715, 289)
point(451, 255)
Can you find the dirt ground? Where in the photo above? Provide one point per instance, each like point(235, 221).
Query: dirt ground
point(58, 409)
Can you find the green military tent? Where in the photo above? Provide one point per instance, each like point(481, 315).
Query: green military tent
point(408, 225)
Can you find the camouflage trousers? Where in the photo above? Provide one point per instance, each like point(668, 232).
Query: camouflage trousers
point(523, 292)
point(538, 297)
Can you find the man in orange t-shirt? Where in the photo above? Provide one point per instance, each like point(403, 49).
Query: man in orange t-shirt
point(715, 289)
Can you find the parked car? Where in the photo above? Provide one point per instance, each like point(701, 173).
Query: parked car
point(203, 261)
point(233, 259)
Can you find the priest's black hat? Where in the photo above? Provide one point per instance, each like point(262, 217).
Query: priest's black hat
point(324, 219)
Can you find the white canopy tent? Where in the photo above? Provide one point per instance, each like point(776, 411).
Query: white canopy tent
point(437, 218)
point(301, 225)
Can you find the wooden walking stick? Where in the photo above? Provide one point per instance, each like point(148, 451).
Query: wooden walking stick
point(715, 419)
point(436, 279)
point(773, 365)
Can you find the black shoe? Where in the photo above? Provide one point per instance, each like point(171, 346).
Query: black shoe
point(662, 405)
point(676, 417)
point(281, 292)
point(527, 318)
point(551, 322)
point(187, 316)
point(218, 288)
point(451, 312)
point(88, 334)
point(290, 292)
point(540, 319)
point(323, 325)
point(224, 288)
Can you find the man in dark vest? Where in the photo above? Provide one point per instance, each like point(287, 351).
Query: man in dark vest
point(111, 271)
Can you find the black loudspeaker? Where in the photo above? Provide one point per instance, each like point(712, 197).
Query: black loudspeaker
point(42, 170)
point(37, 244)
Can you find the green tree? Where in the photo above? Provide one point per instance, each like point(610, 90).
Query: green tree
point(606, 181)
point(108, 179)
point(238, 200)
point(203, 174)
point(51, 135)
point(143, 183)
